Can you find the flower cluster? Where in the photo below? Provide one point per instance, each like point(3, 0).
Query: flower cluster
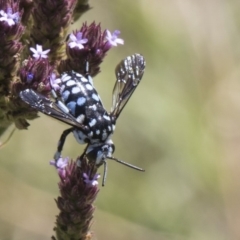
point(91, 45)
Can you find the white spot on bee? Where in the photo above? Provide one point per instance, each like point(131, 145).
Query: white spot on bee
point(79, 75)
point(109, 128)
point(89, 86)
point(98, 132)
point(65, 95)
point(93, 122)
point(90, 134)
point(90, 79)
point(75, 90)
point(83, 79)
point(72, 107)
point(93, 107)
point(65, 77)
point(79, 136)
point(106, 117)
point(81, 87)
point(63, 107)
point(113, 127)
point(110, 149)
point(70, 83)
point(81, 101)
point(95, 97)
point(104, 135)
point(105, 147)
point(80, 118)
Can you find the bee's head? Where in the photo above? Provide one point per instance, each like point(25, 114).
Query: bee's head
point(100, 151)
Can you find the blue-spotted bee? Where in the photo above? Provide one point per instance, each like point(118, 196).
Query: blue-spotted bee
point(80, 106)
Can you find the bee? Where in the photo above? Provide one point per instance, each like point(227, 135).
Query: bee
point(80, 107)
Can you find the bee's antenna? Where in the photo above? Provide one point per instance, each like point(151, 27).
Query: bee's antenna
point(104, 173)
point(119, 161)
point(126, 164)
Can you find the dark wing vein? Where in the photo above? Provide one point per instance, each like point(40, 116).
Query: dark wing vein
point(129, 72)
point(46, 106)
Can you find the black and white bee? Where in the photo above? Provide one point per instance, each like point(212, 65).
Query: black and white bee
point(80, 107)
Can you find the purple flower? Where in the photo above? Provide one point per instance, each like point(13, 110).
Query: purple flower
point(77, 40)
point(38, 52)
point(54, 82)
point(113, 39)
point(60, 165)
point(9, 17)
point(91, 182)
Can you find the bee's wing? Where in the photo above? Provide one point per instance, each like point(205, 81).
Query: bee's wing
point(46, 106)
point(129, 73)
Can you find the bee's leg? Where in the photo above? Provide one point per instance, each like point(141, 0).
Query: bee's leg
point(61, 142)
point(82, 156)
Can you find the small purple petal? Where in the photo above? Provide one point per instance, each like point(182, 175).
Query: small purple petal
point(77, 40)
point(113, 39)
point(72, 37)
point(80, 39)
point(9, 17)
point(60, 165)
point(54, 82)
point(91, 182)
point(53, 163)
point(79, 35)
point(38, 52)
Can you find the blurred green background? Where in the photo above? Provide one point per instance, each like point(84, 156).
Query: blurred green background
point(182, 125)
